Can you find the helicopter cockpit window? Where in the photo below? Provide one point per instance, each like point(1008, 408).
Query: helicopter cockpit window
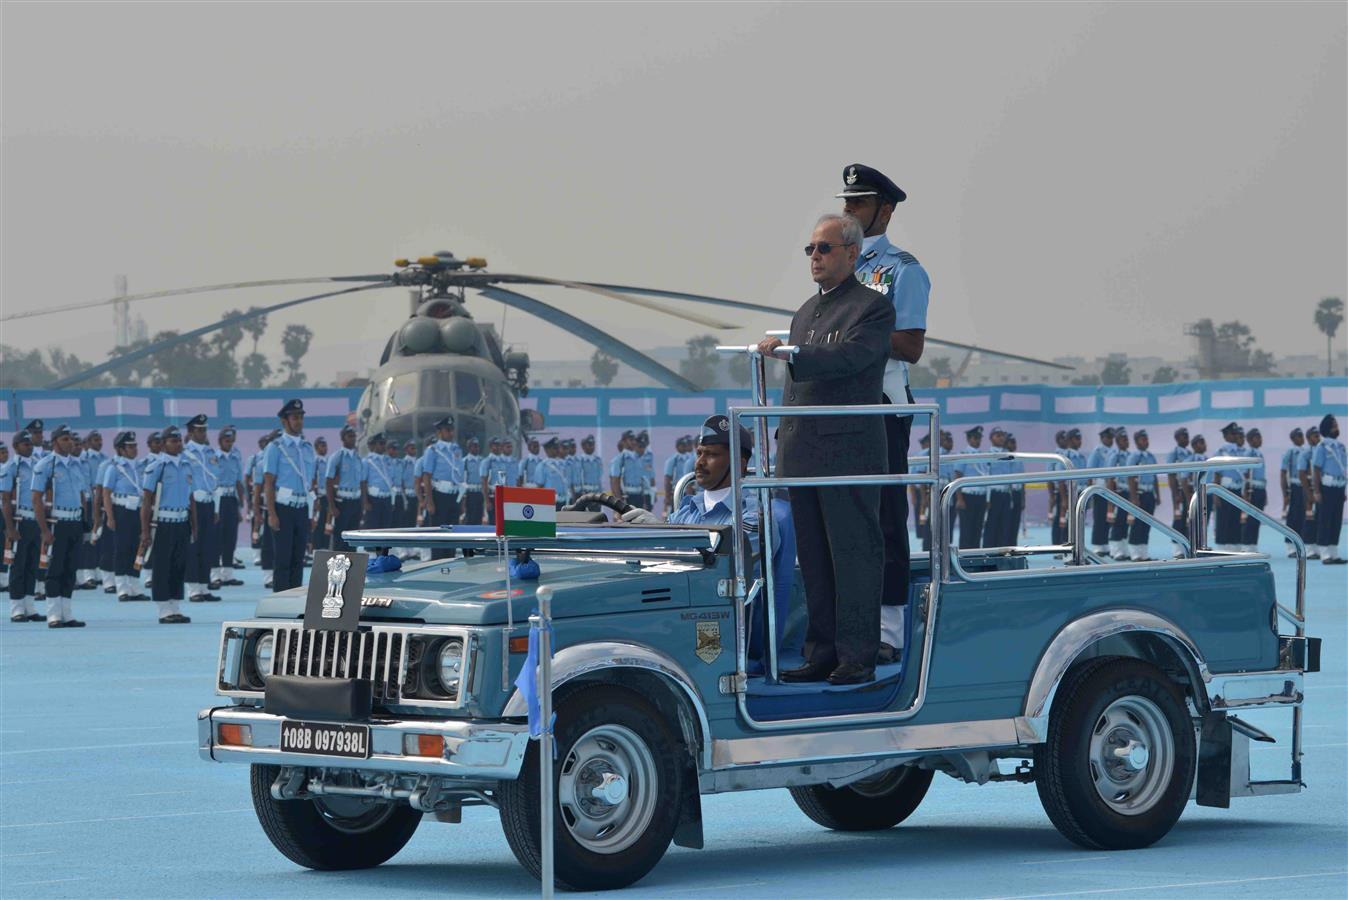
point(399, 394)
point(468, 391)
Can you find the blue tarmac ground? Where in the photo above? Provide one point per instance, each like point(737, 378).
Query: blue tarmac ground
point(102, 795)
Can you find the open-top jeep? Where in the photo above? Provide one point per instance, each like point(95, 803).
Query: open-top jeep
point(1115, 688)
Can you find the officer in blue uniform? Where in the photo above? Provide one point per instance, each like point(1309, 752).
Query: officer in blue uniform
point(62, 473)
point(288, 471)
point(204, 551)
point(1101, 457)
point(591, 466)
point(1016, 508)
point(473, 473)
point(712, 505)
point(972, 503)
point(99, 553)
point(253, 478)
point(122, 491)
point(1227, 529)
point(1293, 501)
point(36, 429)
point(1329, 465)
point(4, 564)
point(341, 482)
point(1142, 492)
point(410, 482)
point(552, 471)
point(230, 490)
point(376, 485)
point(626, 474)
point(1256, 490)
point(23, 539)
point(1118, 519)
point(1309, 530)
point(871, 198)
point(673, 471)
point(647, 458)
point(167, 522)
point(1181, 483)
point(919, 495)
point(442, 480)
point(999, 495)
point(319, 488)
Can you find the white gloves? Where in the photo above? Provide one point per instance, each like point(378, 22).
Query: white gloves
point(641, 517)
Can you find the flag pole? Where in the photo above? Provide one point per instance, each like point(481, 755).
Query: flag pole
point(545, 740)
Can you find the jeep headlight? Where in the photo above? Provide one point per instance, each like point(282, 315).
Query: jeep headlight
point(262, 655)
point(449, 665)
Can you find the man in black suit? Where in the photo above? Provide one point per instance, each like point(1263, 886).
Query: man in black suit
point(842, 331)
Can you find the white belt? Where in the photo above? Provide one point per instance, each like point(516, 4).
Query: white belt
point(1002, 488)
point(378, 493)
point(474, 488)
point(23, 514)
point(126, 501)
point(347, 494)
point(171, 515)
point(67, 514)
point(1332, 481)
point(1233, 482)
point(445, 487)
point(1258, 484)
point(203, 496)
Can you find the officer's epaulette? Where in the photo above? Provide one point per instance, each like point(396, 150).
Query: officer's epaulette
point(907, 258)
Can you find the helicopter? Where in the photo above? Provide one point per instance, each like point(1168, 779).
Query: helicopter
point(441, 361)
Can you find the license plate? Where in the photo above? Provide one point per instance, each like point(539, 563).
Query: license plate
point(324, 739)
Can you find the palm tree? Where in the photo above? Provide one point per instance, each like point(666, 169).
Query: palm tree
point(1328, 315)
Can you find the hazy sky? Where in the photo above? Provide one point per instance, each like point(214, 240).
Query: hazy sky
point(1081, 177)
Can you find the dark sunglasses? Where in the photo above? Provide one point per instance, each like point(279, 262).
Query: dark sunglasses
point(824, 248)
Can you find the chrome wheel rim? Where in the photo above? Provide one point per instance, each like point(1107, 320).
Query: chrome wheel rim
point(607, 789)
point(881, 785)
point(353, 815)
point(1132, 755)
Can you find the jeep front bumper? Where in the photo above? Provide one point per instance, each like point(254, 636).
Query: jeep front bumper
point(476, 751)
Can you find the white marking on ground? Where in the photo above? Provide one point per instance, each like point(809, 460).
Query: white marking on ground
point(93, 747)
point(49, 881)
point(207, 812)
point(1049, 862)
point(1177, 884)
point(30, 853)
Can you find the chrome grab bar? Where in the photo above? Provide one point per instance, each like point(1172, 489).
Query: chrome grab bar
point(1096, 490)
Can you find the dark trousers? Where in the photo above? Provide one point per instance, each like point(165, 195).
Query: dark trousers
point(380, 513)
point(971, 519)
point(446, 513)
point(1310, 525)
point(1011, 537)
point(472, 508)
point(894, 511)
point(1296, 508)
point(205, 550)
point(398, 517)
point(126, 539)
point(994, 526)
point(1119, 530)
point(1099, 521)
point(106, 546)
point(63, 558)
point(842, 560)
point(289, 542)
point(229, 530)
point(169, 560)
point(1228, 524)
point(267, 541)
point(1329, 516)
point(1140, 532)
point(316, 540)
point(1180, 521)
point(1249, 529)
point(347, 519)
point(1057, 518)
point(23, 571)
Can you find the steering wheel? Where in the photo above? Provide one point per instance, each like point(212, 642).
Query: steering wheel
point(606, 500)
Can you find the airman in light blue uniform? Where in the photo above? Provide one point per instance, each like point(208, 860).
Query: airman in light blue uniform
point(591, 466)
point(22, 536)
point(1329, 478)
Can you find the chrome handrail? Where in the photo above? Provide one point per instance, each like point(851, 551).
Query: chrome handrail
point(1096, 490)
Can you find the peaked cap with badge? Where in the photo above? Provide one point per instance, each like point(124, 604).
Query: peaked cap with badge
point(863, 181)
point(716, 431)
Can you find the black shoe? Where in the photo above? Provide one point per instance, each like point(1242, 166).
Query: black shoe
point(238, 564)
point(1334, 561)
point(1312, 556)
point(233, 582)
point(89, 585)
point(125, 598)
point(215, 585)
point(197, 598)
point(68, 623)
point(21, 617)
point(811, 671)
point(211, 598)
point(110, 590)
point(140, 597)
point(886, 655)
point(852, 673)
point(39, 596)
point(174, 619)
point(181, 619)
point(35, 617)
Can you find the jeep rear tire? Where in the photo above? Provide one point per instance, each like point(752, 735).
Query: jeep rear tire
point(618, 783)
point(331, 832)
point(1116, 769)
point(871, 804)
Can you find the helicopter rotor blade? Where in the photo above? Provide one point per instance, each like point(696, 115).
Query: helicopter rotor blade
point(589, 333)
point(177, 292)
point(603, 291)
point(157, 346)
point(696, 298)
point(974, 349)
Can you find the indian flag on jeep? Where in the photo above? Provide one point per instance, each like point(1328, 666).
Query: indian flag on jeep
point(526, 512)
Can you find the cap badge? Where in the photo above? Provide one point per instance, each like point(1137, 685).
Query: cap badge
point(851, 175)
